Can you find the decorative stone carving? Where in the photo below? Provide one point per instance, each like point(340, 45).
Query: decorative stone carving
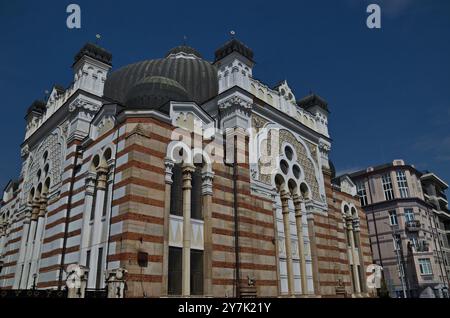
point(207, 178)
point(235, 104)
point(25, 151)
point(168, 163)
point(303, 159)
point(51, 144)
point(84, 104)
point(138, 130)
point(76, 280)
point(258, 122)
point(116, 282)
point(324, 148)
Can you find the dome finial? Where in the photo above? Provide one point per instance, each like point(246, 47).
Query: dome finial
point(185, 40)
point(232, 34)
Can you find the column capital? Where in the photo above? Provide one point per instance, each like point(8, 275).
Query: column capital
point(187, 169)
point(285, 196)
point(298, 205)
point(207, 178)
point(102, 176)
point(168, 164)
point(42, 207)
point(349, 223)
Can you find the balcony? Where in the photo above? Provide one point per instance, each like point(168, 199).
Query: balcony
point(422, 246)
point(413, 226)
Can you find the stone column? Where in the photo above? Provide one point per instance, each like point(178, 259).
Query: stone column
point(301, 243)
point(30, 245)
point(287, 238)
point(37, 241)
point(314, 256)
point(356, 233)
point(23, 247)
point(349, 223)
point(2, 237)
point(207, 192)
point(97, 231)
point(188, 169)
point(86, 228)
point(166, 230)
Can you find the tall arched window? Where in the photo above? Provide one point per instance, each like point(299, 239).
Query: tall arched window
point(176, 193)
point(196, 193)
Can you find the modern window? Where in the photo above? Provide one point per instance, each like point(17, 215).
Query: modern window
point(361, 188)
point(387, 187)
point(176, 193)
point(196, 272)
point(425, 266)
point(402, 184)
point(409, 215)
point(175, 271)
point(414, 241)
point(393, 217)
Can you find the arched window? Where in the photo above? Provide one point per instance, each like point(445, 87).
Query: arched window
point(176, 193)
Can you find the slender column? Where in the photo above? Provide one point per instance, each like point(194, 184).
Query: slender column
point(2, 237)
point(97, 231)
point(287, 238)
point(349, 222)
point(356, 233)
point(86, 228)
point(186, 264)
point(207, 178)
point(30, 245)
point(37, 241)
point(22, 251)
point(301, 243)
point(167, 193)
point(315, 262)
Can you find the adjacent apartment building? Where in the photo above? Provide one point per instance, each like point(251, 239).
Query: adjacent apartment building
point(407, 216)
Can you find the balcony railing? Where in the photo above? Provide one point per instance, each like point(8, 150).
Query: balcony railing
point(413, 225)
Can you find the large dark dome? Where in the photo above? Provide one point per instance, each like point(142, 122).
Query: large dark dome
point(181, 64)
point(155, 91)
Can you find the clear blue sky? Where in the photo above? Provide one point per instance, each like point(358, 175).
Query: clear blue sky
point(388, 90)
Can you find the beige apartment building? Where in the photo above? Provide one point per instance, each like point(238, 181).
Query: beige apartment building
point(434, 193)
point(404, 234)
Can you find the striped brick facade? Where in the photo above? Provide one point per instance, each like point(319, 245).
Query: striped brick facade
point(111, 205)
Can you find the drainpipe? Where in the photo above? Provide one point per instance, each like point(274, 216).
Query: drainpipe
point(112, 194)
point(375, 225)
point(66, 223)
point(236, 218)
